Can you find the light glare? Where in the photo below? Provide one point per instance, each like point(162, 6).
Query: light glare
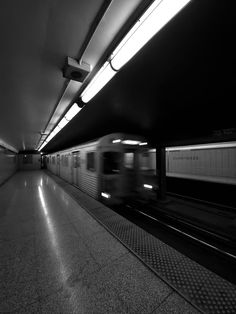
point(106, 195)
point(148, 186)
point(143, 143)
point(116, 141)
point(131, 142)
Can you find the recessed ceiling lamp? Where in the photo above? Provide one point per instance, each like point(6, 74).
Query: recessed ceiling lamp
point(155, 17)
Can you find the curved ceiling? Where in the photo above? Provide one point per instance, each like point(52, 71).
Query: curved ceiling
point(179, 88)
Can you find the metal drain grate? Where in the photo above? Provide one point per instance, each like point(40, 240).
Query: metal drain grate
point(201, 287)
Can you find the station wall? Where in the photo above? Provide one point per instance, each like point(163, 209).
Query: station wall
point(8, 164)
point(29, 161)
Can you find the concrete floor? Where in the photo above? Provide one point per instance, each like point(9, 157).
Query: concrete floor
point(55, 258)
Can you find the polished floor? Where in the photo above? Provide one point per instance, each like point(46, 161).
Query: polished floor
point(55, 258)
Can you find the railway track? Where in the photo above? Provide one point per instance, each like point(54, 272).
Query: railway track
point(210, 249)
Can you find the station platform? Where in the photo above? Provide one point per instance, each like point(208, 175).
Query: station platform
point(63, 252)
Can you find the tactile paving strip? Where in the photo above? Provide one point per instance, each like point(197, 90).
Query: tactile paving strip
point(204, 289)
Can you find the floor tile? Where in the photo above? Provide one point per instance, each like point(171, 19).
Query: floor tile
point(104, 247)
point(62, 263)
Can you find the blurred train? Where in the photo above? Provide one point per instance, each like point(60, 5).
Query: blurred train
point(120, 166)
point(111, 168)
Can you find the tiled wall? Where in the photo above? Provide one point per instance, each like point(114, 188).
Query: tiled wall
point(8, 164)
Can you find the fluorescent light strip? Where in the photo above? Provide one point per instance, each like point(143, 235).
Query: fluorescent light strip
point(116, 141)
point(130, 142)
point(42, 146)
point(68, 116)
point(155, 17)
point(203, 146)
point(104, 75)
point(148, 186)
point(63, 123)
point(143, 144)
point(72, 112)
point(153, 20)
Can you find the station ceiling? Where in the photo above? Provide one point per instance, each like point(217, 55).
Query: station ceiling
point(180, 88)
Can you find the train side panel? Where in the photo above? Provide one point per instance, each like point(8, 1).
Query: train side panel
point(89, 175)
point(65, 166)
point(52, 163)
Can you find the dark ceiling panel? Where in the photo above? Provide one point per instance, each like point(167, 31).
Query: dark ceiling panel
point(179, 88)
point(36, 36)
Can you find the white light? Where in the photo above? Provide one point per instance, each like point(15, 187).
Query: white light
point(56, 130)
point(104, 75)
point(156, 16)
point(131, 142)
point(42, 146)
point(72, 112)
point(62, 123)
point(143, 143)
point(203, 146)
point(148, 186)
point(116, 141)
point(106, 195)
point(50, 136)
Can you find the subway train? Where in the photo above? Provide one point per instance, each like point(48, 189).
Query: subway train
point(120, 166)
point(111, 168)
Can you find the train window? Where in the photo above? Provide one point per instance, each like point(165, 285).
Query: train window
point(147, 161)
point(76, 159)
point(111, 162)
point(129, 160)
point(91, 161)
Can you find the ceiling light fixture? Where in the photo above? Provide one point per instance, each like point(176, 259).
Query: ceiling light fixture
point(143, 144)
point(72, 112)
point(104, 75)
point(74, 109)
point(154, 18)
point(130, 142)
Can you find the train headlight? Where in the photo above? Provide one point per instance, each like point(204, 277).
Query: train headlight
point(106, 195)
point(148, 186)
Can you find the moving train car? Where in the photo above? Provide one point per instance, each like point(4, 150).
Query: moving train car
point(120, 166)
point(111, 168)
